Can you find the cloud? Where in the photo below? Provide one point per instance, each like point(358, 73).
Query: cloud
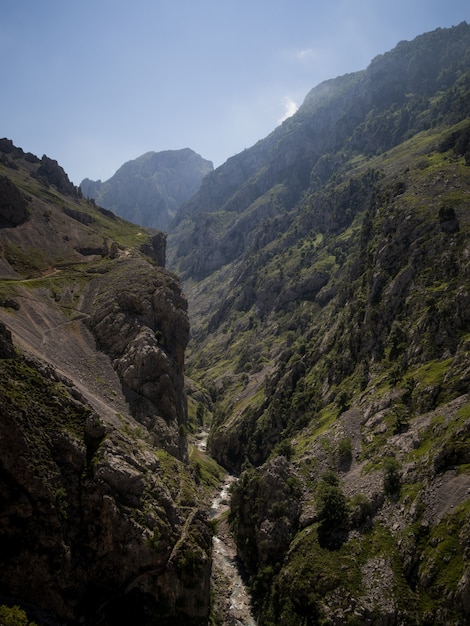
point(306, 54)
point(290, 107)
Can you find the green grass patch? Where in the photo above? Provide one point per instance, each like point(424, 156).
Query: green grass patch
point(43, 403)
point(318, 425)
point(464, 412)
point(314, 571)
point(27, 261)
point(208, 472)
point(432, 373)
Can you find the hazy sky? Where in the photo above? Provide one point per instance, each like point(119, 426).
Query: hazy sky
point(95, 83)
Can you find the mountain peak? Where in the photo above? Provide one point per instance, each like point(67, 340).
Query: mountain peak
point(148, 190)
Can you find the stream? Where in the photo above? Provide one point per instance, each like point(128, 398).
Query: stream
point(231, 598)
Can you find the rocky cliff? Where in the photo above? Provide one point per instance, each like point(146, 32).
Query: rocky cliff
point(102, 520)
point(150, 189)
point(327, 271)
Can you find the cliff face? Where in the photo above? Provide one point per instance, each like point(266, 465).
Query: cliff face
point(150, 189)
point(102, 520)
point(139, 318)
point(90, 517)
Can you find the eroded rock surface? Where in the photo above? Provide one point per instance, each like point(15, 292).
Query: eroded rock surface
point(139, 318)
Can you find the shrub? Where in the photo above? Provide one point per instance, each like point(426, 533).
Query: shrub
point(284, 448)
point(331, 502)
point(345, 453)
point(360, 510)
point(400, 419)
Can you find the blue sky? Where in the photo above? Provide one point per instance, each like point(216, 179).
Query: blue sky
point(95, 83)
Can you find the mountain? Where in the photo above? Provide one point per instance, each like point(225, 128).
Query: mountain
point(328, 279)
point(150, 189)
point(356, 114)
point(102, 520)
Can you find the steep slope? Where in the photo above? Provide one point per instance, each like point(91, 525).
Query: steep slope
point(328, 278)
point(102, 520)
point(402, 92)
point(150, 189)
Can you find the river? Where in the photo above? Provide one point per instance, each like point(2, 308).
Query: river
point(231, 602)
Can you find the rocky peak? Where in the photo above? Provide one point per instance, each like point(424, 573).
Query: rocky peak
point(53, 174)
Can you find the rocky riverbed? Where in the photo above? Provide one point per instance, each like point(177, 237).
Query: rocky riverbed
point(232, 604)
point(231, 599)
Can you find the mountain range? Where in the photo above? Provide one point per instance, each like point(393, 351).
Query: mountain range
point(315, 318)
point(327, 275)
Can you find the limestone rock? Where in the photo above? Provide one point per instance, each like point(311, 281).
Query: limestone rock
point(139, 318)
point(53, 174)
point(91, 528)
point(148, 190)
point(7, 350)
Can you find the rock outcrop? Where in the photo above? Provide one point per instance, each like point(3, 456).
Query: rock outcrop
point(51, 173)
point(139, 317)
point(156, 248)
point(92, 529)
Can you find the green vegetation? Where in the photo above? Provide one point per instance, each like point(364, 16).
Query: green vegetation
point(14, 616)
point(25, 391)
point(29, 262)
point(332, 508)
point(207, 471)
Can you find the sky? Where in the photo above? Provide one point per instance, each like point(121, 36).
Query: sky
point(96, 83)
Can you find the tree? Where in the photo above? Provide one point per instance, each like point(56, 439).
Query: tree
point(392, 476)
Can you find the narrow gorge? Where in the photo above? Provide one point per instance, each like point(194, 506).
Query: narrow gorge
point(261, 417)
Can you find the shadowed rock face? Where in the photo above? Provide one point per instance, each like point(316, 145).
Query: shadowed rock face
point(156, 249)
point(94, 525)
point(89, 527)
point(13, 206)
